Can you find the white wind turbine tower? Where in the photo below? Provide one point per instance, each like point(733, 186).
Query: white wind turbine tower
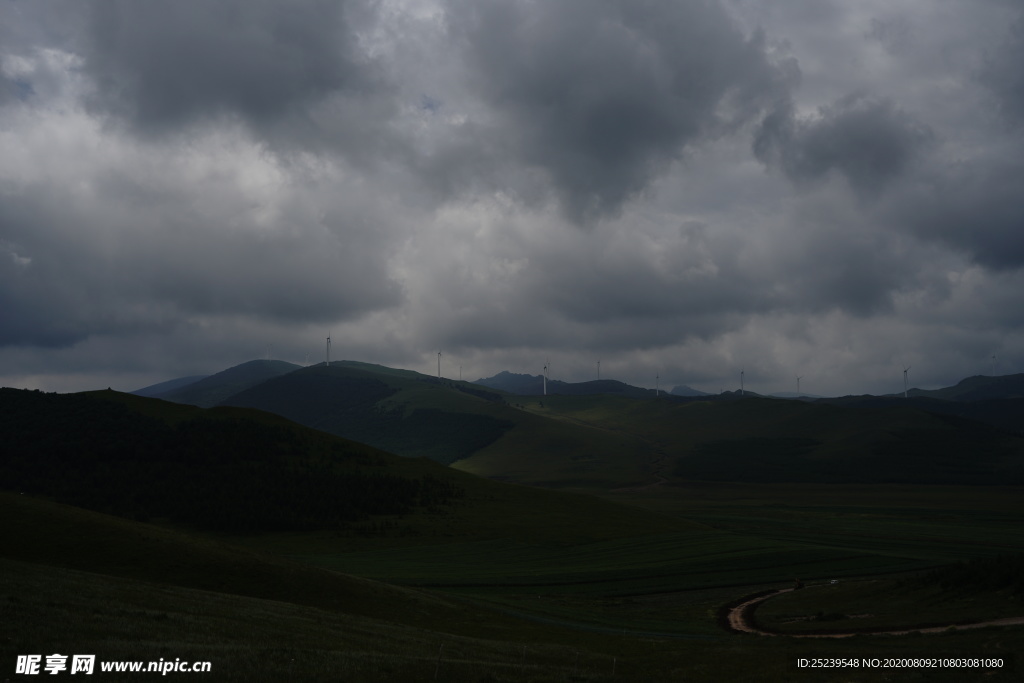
point(328, 350)
point(905, 381)
point(741, 382)
point(439, 365)
point(657, 385)
point(547, 365)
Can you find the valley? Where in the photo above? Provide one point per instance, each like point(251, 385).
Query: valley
point(573, 538)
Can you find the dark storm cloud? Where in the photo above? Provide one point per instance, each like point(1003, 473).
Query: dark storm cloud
point(183, 184)
point(869, 141)
point(976, 208)
point(74, 268)
point(892, 34)
point(9, 90)
point(603, 96)
point(166, 64)
point(1003, 73)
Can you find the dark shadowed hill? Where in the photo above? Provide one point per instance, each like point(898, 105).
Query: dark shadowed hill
point(223, 469)
point(771, 440)
point(684, 390)
point(439, 420)
point(533, 385)
point(240, 471)
point(212, 390)
point(411, 414)
point(977, 388)
point(158, 390)
point(1005, 413)
point(608, 434)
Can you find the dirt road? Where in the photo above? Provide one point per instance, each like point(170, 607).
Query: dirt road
point(740, 619)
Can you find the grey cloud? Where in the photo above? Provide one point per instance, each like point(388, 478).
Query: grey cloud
point(9, 90)
point(973, 207)
point(162, 65)
point(1004, 75)
point(869, 141)
point(150, 264)
point(603, 96)
point(603, 291)
point(894, 34)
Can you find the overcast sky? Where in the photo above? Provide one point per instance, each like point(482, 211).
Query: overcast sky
point(679, 188)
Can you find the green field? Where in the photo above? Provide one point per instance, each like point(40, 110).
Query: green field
point(881, 604)
point(625, 580)
point(500, 609)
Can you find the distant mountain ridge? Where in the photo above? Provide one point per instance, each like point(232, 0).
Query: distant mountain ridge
point(977, 388)
point(684, 390)
point(158, 390)
point(601, 433)
point(533, 385)
point(210, 391)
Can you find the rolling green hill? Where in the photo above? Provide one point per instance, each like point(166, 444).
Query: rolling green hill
point(416, 415)
point(210, 391)
point(411, 416)
point(978, 388)
point(237, 470)
point(757, 439)
point(533, 385)
point(1004, 413)
point(604, 434)
point(221, 469)
point(494, 581)
point(158, 390)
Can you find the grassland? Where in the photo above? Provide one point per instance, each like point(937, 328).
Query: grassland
point(881, 604)
point(770, 440)
point(327, 632)
point(510, 583)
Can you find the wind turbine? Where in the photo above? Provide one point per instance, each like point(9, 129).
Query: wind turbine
point(599, 369)
point(328, 350)
point(439, 365)
point(741, 382)
point(544, 378)
point(905, 381)
point(657, 386)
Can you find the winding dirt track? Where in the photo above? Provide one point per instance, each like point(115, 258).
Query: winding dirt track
point(740, 619)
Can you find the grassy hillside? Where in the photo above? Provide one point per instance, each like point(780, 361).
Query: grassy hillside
point(979, 590)
point(533, 385)
point(158, 390)
point(782, 441)
point(497, 583)
point(978, 388)
point(211, 390)
point(362, 405)
point(600, 439)
point(222, 469)
point(46, 533)
point(238, 470)
point(416, 415)
point(1006, 414)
